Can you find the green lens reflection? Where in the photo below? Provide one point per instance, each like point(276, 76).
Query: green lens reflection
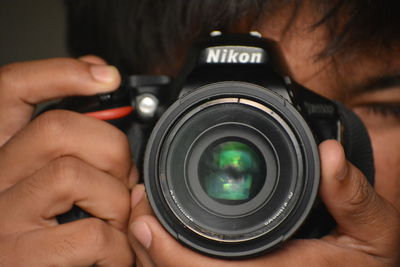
point(230, 171)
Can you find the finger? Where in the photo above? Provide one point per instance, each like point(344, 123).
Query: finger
point(22, 85)
point(139, 263)
point(359, 211)
point(137, 194)
point(141, 236)
point(55, 188)
point(139, 207)
point(92, 59)
point(80, 243)
point(64, 133)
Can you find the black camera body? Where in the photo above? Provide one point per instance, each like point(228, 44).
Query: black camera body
point(231, 166)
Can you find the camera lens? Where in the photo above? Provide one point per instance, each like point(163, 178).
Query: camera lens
point(231, 169)
point(231, 172)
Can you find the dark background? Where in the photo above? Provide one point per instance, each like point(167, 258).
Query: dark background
point(31, 29)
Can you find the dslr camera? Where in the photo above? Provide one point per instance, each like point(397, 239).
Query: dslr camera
point(228, 149)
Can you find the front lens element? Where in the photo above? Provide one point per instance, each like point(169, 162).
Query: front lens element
point(231, 171)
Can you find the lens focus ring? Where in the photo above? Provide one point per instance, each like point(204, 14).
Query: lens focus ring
point(231, 176)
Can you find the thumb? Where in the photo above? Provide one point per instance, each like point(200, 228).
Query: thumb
point(359, 211)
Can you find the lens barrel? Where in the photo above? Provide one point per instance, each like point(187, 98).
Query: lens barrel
point(232, 169)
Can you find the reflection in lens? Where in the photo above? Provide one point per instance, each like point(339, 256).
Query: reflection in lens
point(231, 171)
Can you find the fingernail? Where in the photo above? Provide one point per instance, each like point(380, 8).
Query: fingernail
point(142, 233)
point(104, 73)
point(137, 195)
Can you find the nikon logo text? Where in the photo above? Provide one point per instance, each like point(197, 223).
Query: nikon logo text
point(241, 55)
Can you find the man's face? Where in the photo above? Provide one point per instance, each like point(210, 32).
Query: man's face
point(368, 83)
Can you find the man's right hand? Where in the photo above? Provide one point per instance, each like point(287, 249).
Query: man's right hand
point(58, 160)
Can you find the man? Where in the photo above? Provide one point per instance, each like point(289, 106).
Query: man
point(347, 53)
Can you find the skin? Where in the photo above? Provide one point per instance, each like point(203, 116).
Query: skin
point(69, 158)
point(42, 176)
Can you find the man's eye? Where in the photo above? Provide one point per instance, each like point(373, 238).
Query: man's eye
point(385, 110)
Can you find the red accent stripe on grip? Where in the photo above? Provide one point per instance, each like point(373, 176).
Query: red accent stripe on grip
point(111, 114)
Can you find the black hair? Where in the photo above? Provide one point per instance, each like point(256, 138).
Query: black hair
point(136, 35)
point(359, 24)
